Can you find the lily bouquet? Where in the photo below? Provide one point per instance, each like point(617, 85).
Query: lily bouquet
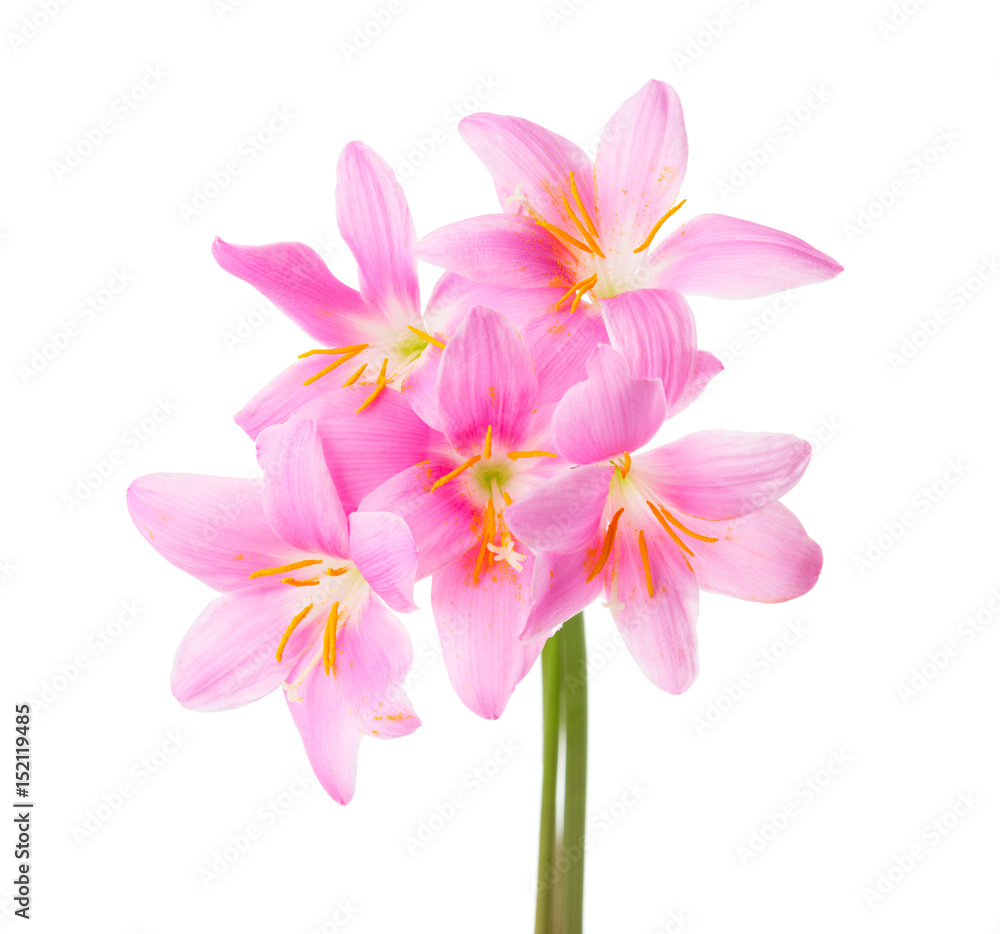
point(493, 440)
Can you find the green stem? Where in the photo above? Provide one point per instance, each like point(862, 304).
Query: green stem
point(551, 691)
point(574, 715)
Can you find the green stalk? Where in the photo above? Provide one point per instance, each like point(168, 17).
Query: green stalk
point(552, 682)
point(574, 715)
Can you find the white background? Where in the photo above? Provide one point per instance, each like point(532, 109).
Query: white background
point(873, 103)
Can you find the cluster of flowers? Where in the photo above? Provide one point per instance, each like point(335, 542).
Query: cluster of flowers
point(491, 441)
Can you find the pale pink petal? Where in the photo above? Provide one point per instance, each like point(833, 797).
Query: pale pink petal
point(486, 378)
point(725, 257)
point(419, 387)
point(722, 474)
point(479, 625)
point(444, 522)
point(331, 739)
point(383, 549)
point(706, 367)
point(374, 219)
point(212, 527)
point(227, 658)
point(609, 412)
point(766, 556)
point(659, 631)
point(373, 656)
point(562, 514)
point(531, 166)
point(640, 164)
point(559, 589)
point(293, 276)
point(300, 501)
point(504, 249)
point(655, 331)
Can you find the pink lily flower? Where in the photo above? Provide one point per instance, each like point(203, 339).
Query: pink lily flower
point(486, 444)
point(651, 529)
point(589, 227)
point(304, 599)
point(377, 336)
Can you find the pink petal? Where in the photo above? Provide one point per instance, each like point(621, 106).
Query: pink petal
point(300, 501)
point(486, 378)
point(531, 163)
point(293, 276)
point(455, 296)
point(655, 332)
point(706, 367)
point(374, 219)
point(659, 631)
point(562, 514)
point(227, 659)
point(766, 556)
point(725, 257)
point(212, 527)
point(559, 589)
point(722, 474)
point(503, 249)
point(640, 164)
point(444, 523)
point(383, 549)
point(609, 412)
point(479, 624)
point(419, 387)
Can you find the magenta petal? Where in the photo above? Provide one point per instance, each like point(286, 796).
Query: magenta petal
point(444, 523)
point(640, 164)
point(655, 331)
point(725, 257)
point(212, 527)
point(609, 412)
point(504, 249)
point(374, 219)
point(722, 474)
point(559, 589)
point(766, 556)
point(659, 631)
point(562, 514)
point(530, 165)
point(479, 625)
point(383, 549)
point(293, 276)
point(227, 659)
point(486, 378)
point(300, 501)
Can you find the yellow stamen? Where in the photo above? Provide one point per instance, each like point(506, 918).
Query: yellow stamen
point(515, 455)
point(379, 386)
point(267, 572)
point(427, 337)
point(441, 481)
point(591, 242)
point(330, 638)
point(585, 286)
point(649, 239)
point(295, 582)
point(506, 497)
point(645, 563)
point(488, 531)
point(351, 348)
point(356, 376)
point(687, 531)
point(666, 527)
point(579, 203)
point(609, 540)
point(488, 447)
point(301, 615)
point(561, 234)
point(628, 465)
point(336, 572)
point(349, 355)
